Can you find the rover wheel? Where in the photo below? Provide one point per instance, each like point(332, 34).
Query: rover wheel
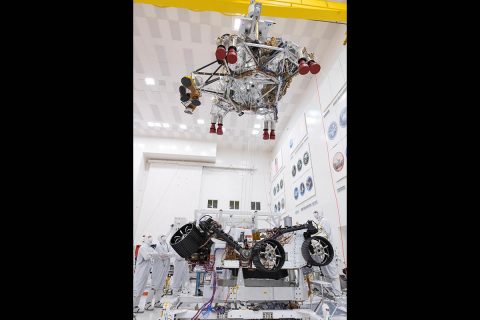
point(317, 251)
point(268, 255)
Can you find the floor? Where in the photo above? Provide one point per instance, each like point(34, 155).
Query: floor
point(147, 315)
point(155, 314)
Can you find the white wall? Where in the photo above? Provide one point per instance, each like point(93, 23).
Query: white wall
point(171, 191)
point(233, 184)
point(145, 147)
point(167, 190)
point(329, 81)
point(170, 149)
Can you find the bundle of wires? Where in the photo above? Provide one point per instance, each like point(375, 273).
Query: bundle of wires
point(207, 307)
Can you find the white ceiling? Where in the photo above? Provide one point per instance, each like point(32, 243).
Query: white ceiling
point(171, 42)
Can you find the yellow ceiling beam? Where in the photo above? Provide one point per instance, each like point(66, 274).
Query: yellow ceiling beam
point(294, 9)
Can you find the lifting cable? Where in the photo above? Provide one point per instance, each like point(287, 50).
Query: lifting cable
point(331, 175)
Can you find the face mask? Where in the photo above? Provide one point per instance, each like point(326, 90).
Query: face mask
point(162, 239)
point(148, 240)
point(318, 215)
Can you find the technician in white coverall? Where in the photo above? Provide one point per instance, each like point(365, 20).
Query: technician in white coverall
point(160, 269)
point(330, 271)
point(180, 273)
point(145, 258)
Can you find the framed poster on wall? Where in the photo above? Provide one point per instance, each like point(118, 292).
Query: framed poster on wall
point(277, 164)
point(278, 194)
point(338, 159)
point(335, 119)
point(297, 135)
point(304, 187)
point(300, 161)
